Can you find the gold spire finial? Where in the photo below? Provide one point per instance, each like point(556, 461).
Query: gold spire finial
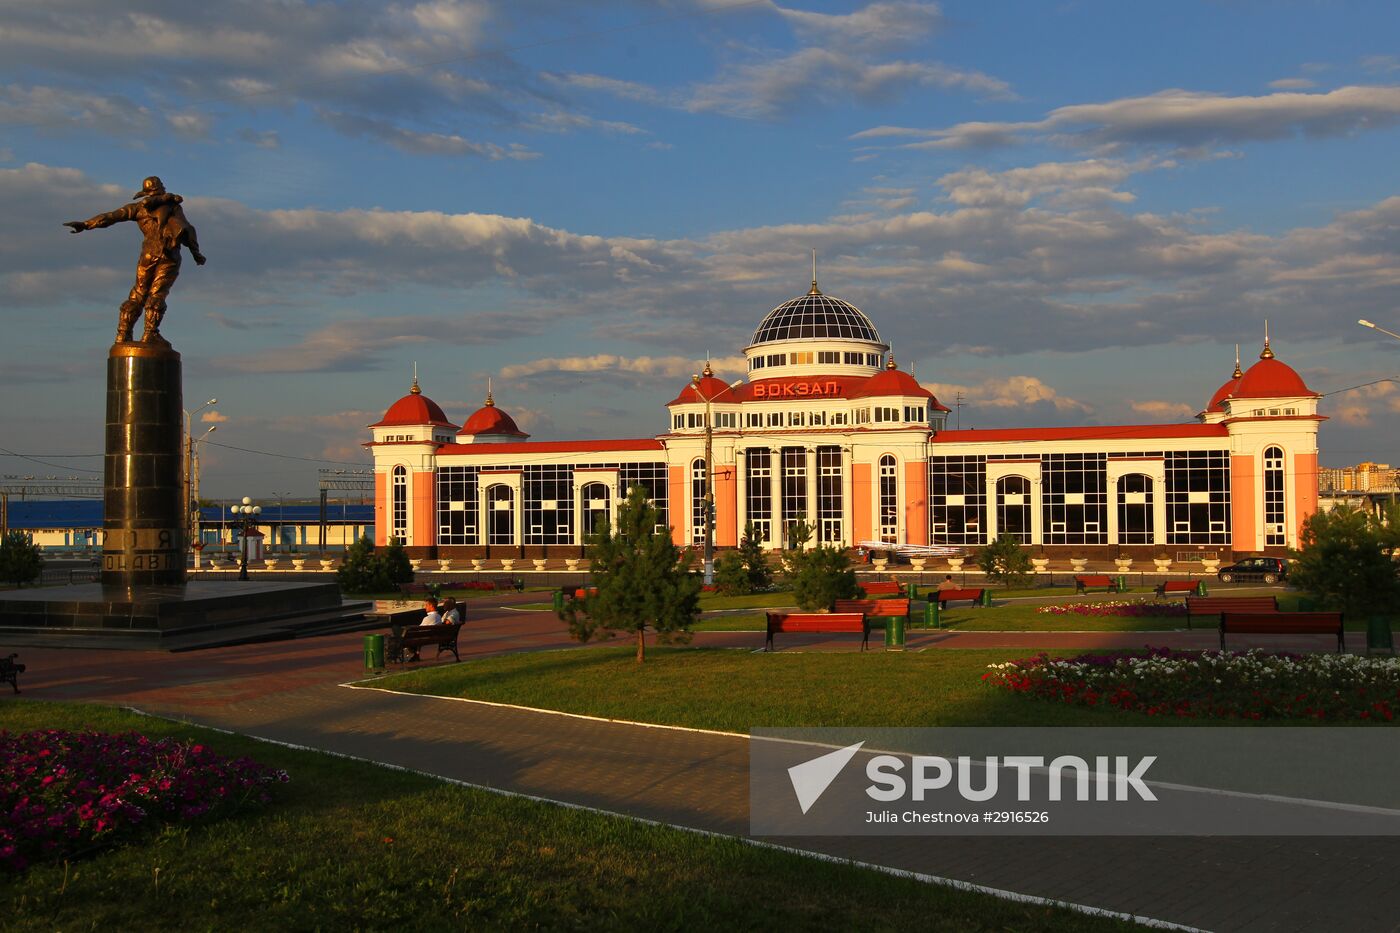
point(707, 371)
point(1238, 372)
point(814, 290)
point(490, 402)
point(1267, 353)
point(414, 390)
point(891, 364)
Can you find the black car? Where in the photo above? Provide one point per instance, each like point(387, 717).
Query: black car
point(1267, 569)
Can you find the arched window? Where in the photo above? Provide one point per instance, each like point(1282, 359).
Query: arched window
point(398, 499)
point(697, 501)
point(1275, 510)
point(1014, 508)
point(889, 500)
point(1135, 509)
point(596, 498)
point(500, 515)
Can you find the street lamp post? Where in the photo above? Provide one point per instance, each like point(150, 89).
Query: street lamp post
point(189, 463)
point(1365, 323)
point(193, 530)
point(247, 512)
point(709, 510)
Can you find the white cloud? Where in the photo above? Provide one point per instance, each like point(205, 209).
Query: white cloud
point(213, 417)
point(563, 370)
point(417, 143)
point(1292, 84)
point(1166, 411)
point(1006, 392)
point(876, 25)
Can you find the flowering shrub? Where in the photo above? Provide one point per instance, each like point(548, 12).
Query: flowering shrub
point(64, 793)
point(1116, 608)
point(1213, 684)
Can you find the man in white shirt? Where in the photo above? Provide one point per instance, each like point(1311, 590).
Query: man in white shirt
point(430, 608)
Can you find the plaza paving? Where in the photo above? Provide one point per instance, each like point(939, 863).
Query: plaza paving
point(293, 692)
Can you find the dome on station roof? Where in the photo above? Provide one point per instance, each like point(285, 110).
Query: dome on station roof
point(815, 316)
point(414, 408)
point(1271, 378)
point(488, 419)
point(892, 381)
point(705, 389)
point(1217, 401)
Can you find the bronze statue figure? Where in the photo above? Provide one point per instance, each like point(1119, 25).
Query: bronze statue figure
point(163, 224)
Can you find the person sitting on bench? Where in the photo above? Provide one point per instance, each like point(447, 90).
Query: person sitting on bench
point(450, 614)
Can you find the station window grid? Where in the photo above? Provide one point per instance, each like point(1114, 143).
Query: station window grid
point(548, 491)
point(830, 504)
point(1198, 497)
point(398, 527)
point(758, 491)
point(697, 501)
point(597, 500)
point(457, 504)
point(500, 514)
point(794, 485)
point(1275, 513)
point(957, 499)
point(1074, 498)
point(889, 500)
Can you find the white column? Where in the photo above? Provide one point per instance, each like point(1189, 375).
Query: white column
point(741, 500)
point(848, 491)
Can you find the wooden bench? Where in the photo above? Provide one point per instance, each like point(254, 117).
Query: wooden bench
point(414, 637)
point(1215, 605)
point(882, 588)
point(510, 584)
point(1189, 587)
point(945, 597)
point(790, 622)
point(874, 608)
point(10, 669)
point(1283, 623)
point(1085, 582)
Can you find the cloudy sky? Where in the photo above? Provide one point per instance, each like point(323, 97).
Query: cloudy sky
point(1068, 212)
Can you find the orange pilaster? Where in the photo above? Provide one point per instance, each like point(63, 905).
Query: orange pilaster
point(1304, 490)
point(381, 509)
point(916, 503)
point(1244, 533)
point(420, 506)
point(860, 503)
point(726, 507)
point(676, 503)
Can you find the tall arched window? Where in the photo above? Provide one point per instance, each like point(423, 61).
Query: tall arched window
point(1135, 509)
point(889, 500)
point(596, 498)
point(398, 508)
point(697, 501)
point(1275, 510)
point(500, 516)
point(1014, 508)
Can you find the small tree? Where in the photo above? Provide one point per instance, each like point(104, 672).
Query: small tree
point(394, 565)
point(1004, 561)
point(640, 579)
point(731, 576)
point(357, 573)
point(755, 561)
point(20, 562)
point(1347, 561)
point(820, 577)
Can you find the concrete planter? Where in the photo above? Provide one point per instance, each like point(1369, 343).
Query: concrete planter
point(1077, 564)
point(571, 563)
point(1041, 564)
point(298, 563)
point(478, 564)
point(328, 563)
point(445, 564)
point(1163, 564)
point(508, 564)
point(270, 563)
point(879, 564)
point(539, 564)
point(1210, 566)
point(955, 563)
point(1124, 564)
point(416, 563)
point(918, 563)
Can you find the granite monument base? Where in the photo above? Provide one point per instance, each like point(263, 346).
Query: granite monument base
point(199, 614)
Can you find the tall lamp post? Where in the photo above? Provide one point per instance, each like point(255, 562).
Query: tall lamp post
point(193, 530)
point(695, 378)
point(1365, 323)
point(247, 512)
point(189, 463)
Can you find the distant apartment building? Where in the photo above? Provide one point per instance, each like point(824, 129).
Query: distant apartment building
point(1363, 477)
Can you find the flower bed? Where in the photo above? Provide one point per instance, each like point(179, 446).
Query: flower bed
point(1116, 608)
point(65, 793)
point(1213, 684)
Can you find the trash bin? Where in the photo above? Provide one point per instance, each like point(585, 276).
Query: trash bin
point(987, 597)
point(1378, 637)
point(374, 652)
point(1120, 585)
point(931, 617)
point(558, 602)
point(894, 632)
point(1201, 588)
point(913, 591)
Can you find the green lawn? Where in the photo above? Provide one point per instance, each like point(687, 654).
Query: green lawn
point(745, 622)
point(1023, 617)
point(751, 601)
point(355, 846)
point(734, 690)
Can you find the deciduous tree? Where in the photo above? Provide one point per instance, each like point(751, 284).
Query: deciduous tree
point(1347, 561)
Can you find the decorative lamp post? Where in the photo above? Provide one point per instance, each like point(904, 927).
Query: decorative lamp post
point(248, 513)
point(709, 509)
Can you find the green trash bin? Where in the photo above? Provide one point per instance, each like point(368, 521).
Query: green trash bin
point(894, 632)
point(931, 617)
point(1378, 637)
point(913, 591)
point(374, 652)
point(558, 601)
point(1120, 585)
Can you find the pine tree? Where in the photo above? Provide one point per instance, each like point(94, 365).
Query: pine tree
point(20, 562)
point(357, 573)
point(755, 561)
point(639, 579)
point(1004, 561)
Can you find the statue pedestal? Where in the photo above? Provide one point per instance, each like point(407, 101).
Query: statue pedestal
point(143, 520)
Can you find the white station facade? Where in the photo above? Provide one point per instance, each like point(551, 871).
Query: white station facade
point(828, 430)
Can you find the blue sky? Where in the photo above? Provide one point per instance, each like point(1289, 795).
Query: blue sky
point(1069, 213)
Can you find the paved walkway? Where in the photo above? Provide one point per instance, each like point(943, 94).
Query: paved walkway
point(288, 691)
